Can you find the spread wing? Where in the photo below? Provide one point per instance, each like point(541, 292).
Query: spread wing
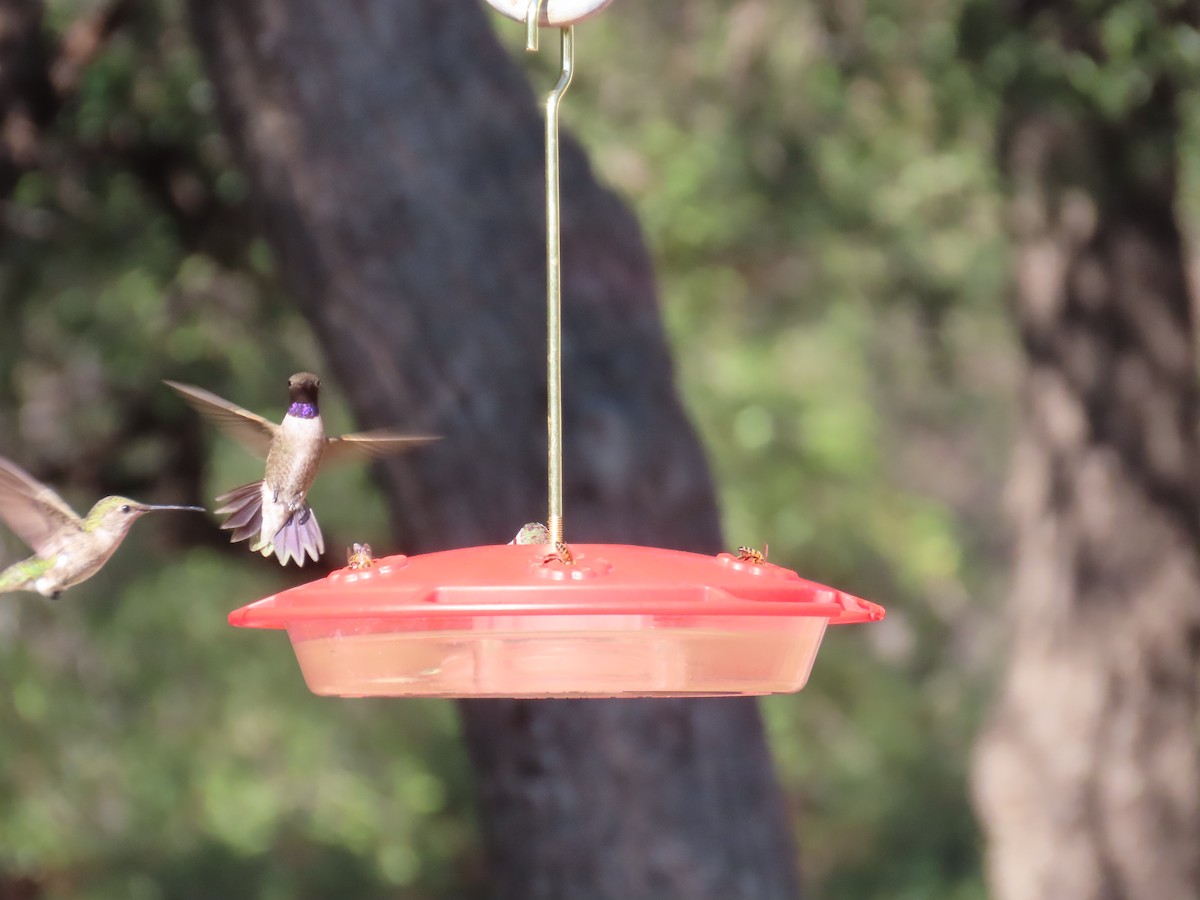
point(37, 514)
point(250, 430)
point(366, 445)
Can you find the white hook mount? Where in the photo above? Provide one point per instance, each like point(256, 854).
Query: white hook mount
point(555, 13)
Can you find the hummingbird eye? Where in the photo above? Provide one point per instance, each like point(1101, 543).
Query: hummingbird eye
point(125, 507)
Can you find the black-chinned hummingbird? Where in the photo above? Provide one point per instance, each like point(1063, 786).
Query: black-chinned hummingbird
point(275, 511)
point(67, 549)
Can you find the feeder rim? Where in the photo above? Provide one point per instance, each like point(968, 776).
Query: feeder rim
point(511, 580)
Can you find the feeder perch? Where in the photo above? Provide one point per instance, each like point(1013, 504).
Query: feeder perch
point(554, 619)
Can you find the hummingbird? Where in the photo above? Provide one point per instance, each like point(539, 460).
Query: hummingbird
point(532, 533)
point(275, 511)
point(67, 549)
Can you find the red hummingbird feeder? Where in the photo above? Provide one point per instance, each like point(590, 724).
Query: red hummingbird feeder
point(515, 621)
point(552, 619)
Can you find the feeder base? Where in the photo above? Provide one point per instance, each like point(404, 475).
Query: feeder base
point(563, 656)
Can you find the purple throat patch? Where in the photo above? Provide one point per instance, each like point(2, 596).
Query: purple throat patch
point(303, 410)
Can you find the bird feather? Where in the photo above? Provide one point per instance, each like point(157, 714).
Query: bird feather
point(250, 430)
point(367, 445)
point(38, 515)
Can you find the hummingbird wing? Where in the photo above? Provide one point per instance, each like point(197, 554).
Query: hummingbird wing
point(366, 445)
point(250, 430)
point(37, 514)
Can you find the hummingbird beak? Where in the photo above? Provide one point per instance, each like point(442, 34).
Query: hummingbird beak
point(153, 507)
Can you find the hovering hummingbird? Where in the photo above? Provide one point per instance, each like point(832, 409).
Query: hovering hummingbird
point(274, 511)
point(68, 549)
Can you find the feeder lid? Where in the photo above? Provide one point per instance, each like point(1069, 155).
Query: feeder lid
point(519, 580)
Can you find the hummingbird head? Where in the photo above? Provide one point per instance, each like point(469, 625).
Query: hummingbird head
point(116, 514)
point(302, 395)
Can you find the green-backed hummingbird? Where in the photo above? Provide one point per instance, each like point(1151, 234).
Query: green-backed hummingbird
point(67, 549)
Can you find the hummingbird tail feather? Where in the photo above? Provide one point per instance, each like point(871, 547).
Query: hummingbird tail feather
point(245, 515)
point(17, 577)
point(8, 582)
point(249, 530)
point(299, 538)
point(243, 506)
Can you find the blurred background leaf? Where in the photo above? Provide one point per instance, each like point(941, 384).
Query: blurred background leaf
point(817, 184)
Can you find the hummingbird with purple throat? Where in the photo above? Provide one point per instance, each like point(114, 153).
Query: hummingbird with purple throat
point(274, 512)
point(67, 549)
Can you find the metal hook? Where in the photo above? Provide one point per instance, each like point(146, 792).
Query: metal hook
point(533, 17)
point(553, 271)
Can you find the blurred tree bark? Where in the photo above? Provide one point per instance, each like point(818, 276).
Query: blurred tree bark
point(1088, 779)
point(394, 151)
point(38, 76)
point(26, 96)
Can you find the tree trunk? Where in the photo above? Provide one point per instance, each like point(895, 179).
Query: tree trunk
point(1087, 780)
point(395, 153)
point(26, 97)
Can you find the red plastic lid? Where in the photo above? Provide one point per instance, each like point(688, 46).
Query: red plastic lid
point(513, 580)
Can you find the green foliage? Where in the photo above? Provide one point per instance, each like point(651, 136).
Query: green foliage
point(150, 751)
point(820, 196)
point(147, 744)
point(816, 182)
point(1099, 57)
